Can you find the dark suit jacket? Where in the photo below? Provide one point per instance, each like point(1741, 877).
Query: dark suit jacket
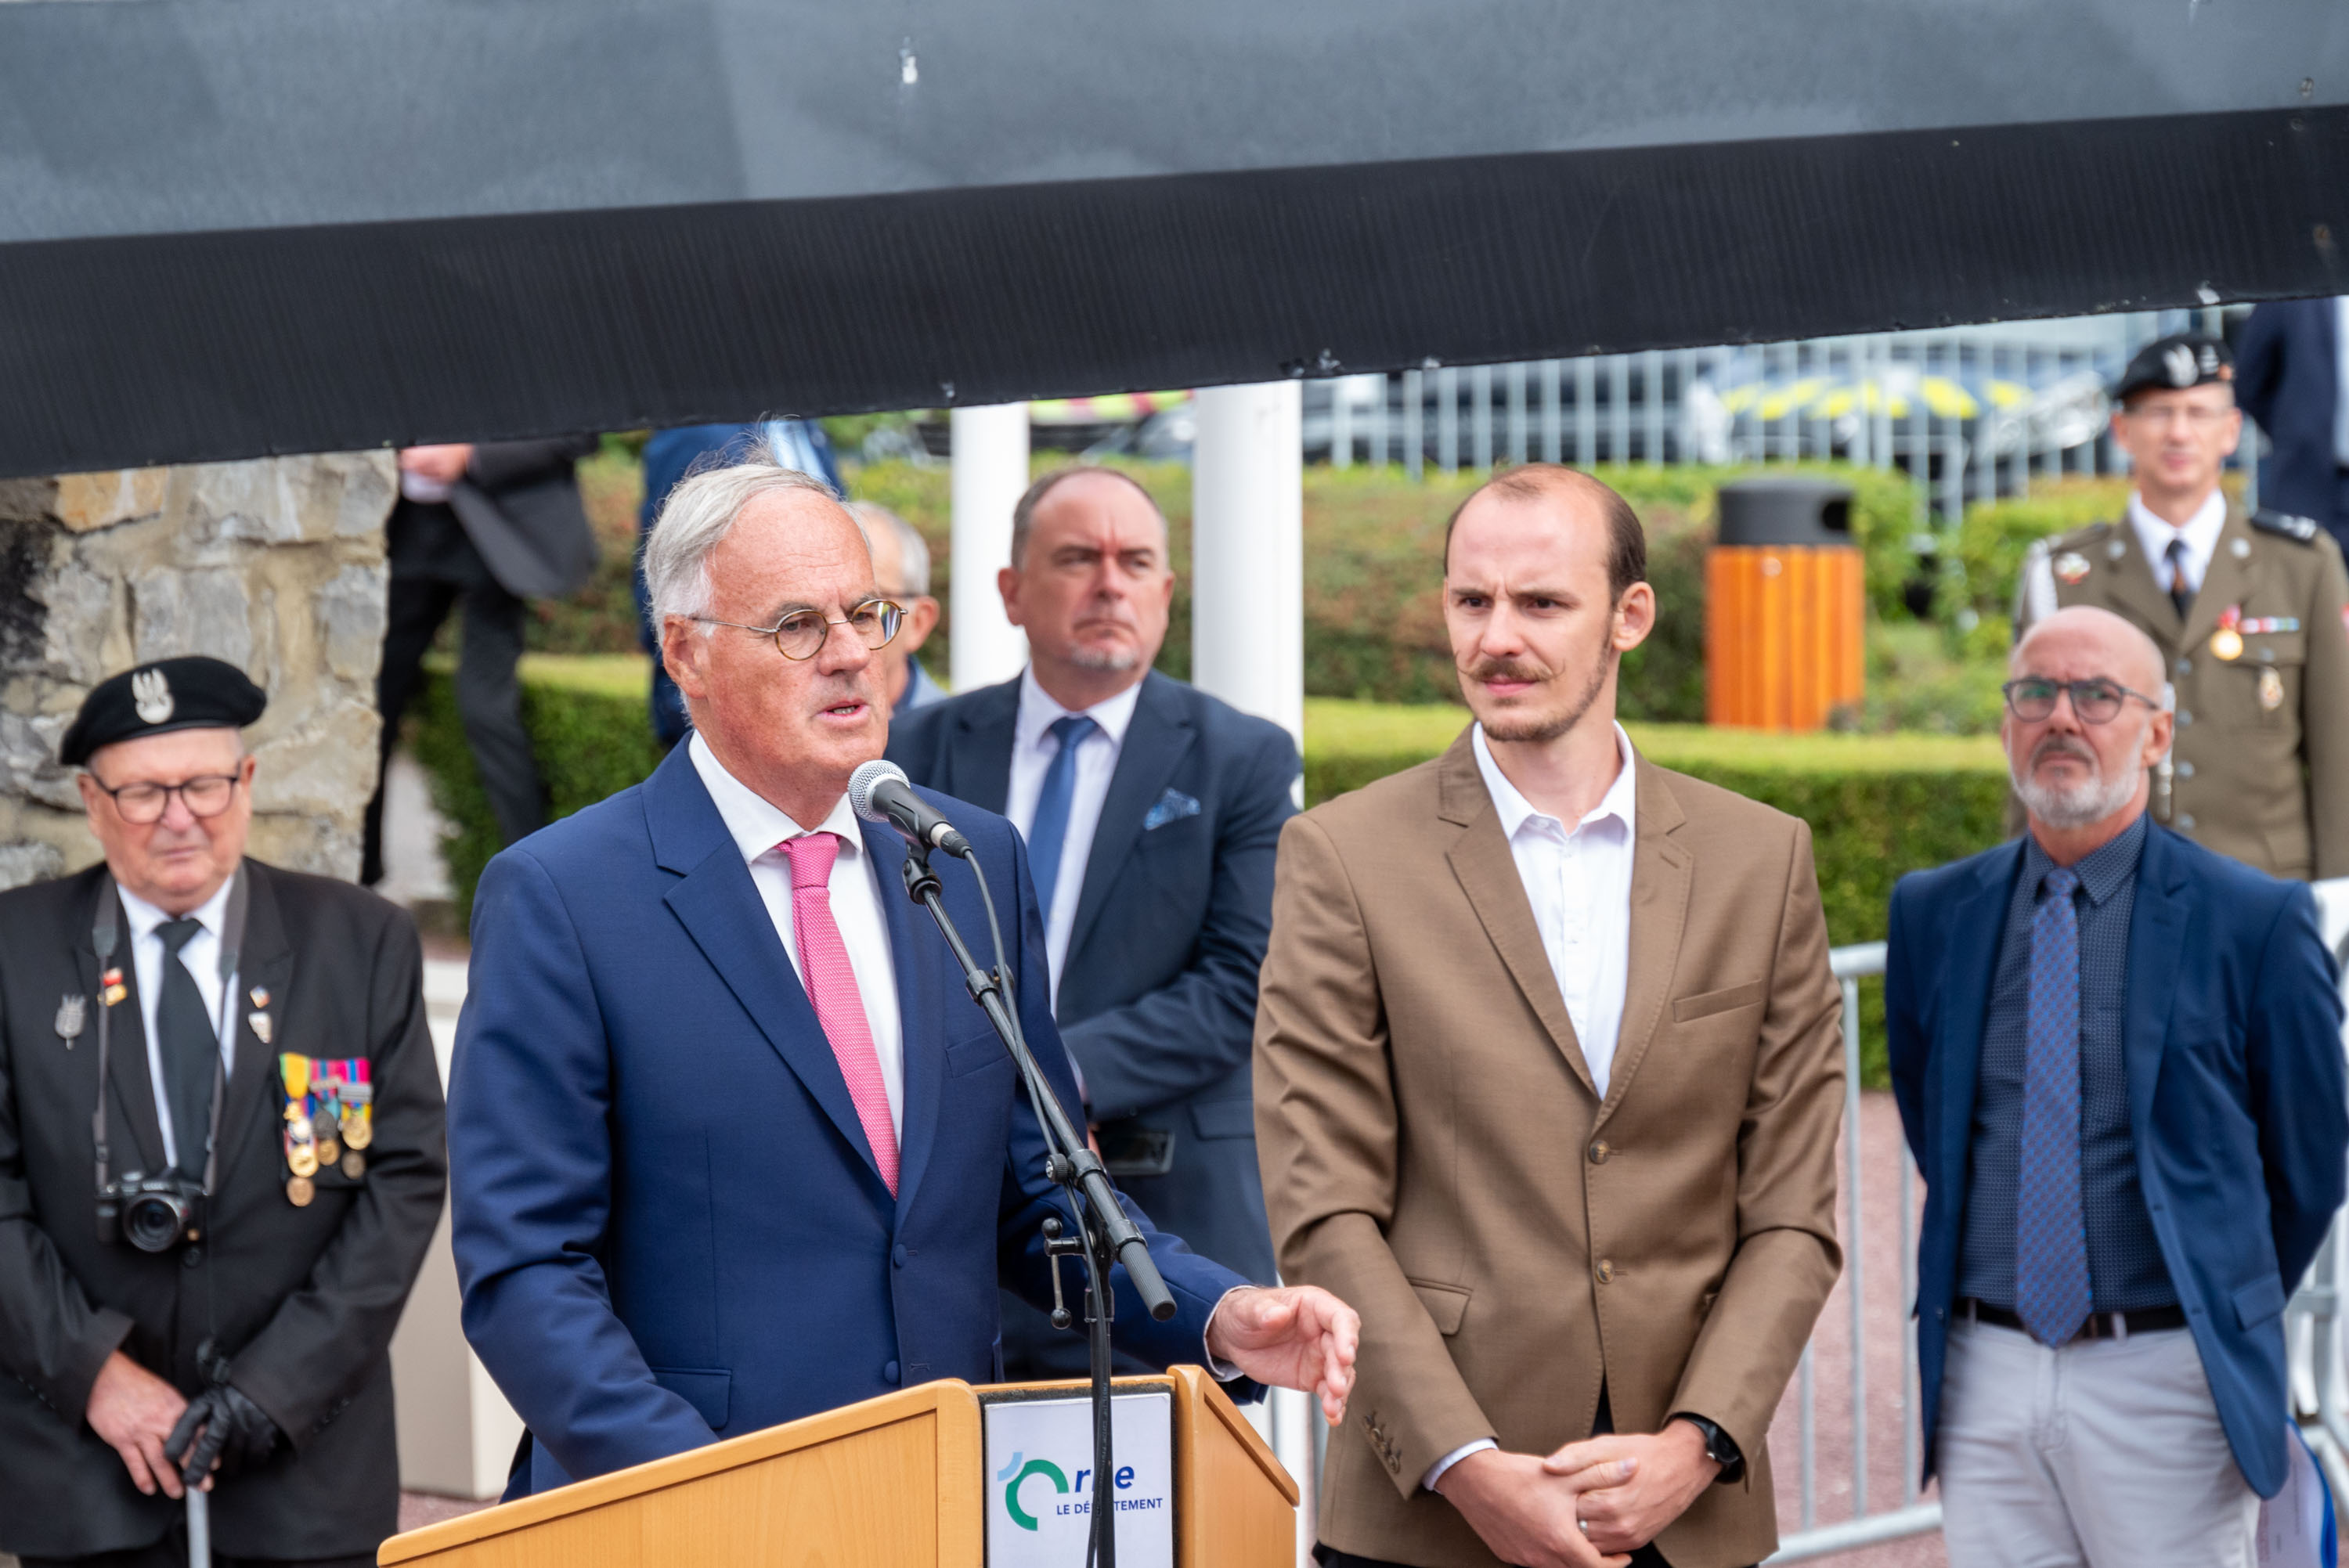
point(1158, 1004)
point(669, 1225)
point(302, 1300)
point(2286, 370)
point(518, 502)
point(2236, 1100)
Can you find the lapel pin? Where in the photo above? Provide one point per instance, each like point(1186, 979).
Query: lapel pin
point(2116, 549)
point(2241, 549)
point(2071, 566)
point(259, 1023)
point(260, 996)
point(72, 1013)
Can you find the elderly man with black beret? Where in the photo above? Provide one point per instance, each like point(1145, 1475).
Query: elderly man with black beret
point(220, 1162)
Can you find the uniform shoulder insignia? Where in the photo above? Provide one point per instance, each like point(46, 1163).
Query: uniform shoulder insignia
point(2283, 523)
point(2074, 539)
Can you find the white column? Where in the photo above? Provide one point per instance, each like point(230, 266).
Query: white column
point(1247, 552)
point(990, 470)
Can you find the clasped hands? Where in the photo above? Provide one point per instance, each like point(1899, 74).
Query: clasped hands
point(1293, 1336)
point(1587, 1505)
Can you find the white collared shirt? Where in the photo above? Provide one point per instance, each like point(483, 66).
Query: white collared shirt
point(200, 957)
point(2200, 535)
point(758, 827)
point(1579, 883)
point(1032, 750)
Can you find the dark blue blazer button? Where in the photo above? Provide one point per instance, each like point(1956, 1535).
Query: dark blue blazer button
point(889, 1372)
point(897, 1255)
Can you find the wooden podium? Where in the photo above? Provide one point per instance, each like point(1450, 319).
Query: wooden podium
point(898, 1481)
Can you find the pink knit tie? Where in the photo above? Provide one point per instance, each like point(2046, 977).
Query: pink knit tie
point(832, 986)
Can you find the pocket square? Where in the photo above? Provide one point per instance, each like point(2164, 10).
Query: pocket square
point(1172, 805)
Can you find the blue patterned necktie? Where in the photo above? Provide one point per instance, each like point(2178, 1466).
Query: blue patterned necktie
point(2052, 1294)
point(1048, 836)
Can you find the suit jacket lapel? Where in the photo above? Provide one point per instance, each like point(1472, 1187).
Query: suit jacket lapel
point(720, 909)
point(2140, 592)
point(1661, 872)
point(2157, 943)
point(975, 766)
point(1487, 874)
point(1154, 745)
point(134, 1095)
point(915, 955)
point(1977, 926)
point(267, 961)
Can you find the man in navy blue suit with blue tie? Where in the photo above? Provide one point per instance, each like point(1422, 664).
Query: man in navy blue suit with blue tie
point(2119, 1058)
point(730, 1143)
point(1151, 814)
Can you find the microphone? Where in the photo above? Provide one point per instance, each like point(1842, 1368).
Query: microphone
point(879, 791)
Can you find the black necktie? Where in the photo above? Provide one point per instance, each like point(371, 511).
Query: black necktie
point(2182, 592)
point(190, 1049)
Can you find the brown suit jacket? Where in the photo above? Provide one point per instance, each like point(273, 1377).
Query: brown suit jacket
point(1435, 1154)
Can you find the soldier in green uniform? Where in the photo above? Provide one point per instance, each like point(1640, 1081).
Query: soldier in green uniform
point(2248, 611)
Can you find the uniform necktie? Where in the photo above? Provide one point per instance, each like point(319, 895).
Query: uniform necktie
point(1049, 835)
point(2182, 592)
point(190, 1049)
point(832, 985)
point(2052, 1294)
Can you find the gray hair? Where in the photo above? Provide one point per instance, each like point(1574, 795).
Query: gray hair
point(913, 549)
point(699, 512)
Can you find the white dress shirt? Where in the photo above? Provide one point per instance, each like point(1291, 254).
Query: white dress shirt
point(758, 827)
point(1579, 883)
point(200, 957)
point(1032, 750)
point(2200, 535)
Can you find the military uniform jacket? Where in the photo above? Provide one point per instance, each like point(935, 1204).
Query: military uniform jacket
point(302, 1300)
point(2260, 768)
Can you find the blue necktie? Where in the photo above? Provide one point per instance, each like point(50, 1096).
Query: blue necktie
point(1049, 834)
point(2051, 1239)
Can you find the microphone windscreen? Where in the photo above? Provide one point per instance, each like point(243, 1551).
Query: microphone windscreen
point(861, 783)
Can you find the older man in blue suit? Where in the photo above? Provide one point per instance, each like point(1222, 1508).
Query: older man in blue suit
point(1153, 814)
point(2119, 1058)
point(2288, 377)
point(730, 1143)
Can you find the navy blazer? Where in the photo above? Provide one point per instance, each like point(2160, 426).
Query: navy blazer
point(667, 1222)
point(2236, 1091)
point(1158, 1003)
point(2287, 370)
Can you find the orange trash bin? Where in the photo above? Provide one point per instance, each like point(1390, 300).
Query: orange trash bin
point(1785, 606)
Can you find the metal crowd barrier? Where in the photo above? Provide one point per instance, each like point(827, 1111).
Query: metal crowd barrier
point(2320, 1371)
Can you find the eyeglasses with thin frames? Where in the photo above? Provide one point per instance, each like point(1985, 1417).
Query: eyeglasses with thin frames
point(143, 801)
point(801, 636)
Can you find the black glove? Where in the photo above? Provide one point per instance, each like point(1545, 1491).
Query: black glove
point(236, 1433)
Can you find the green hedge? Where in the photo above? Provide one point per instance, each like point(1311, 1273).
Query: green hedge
point(1878, 806)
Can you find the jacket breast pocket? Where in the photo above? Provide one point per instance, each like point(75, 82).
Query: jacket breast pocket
point(1711, 1004)
point(974, 1054)
point(707, 1389)
point(1446, 1303)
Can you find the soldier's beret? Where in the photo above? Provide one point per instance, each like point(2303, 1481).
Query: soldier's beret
point(2170, 364)
point(193, 692)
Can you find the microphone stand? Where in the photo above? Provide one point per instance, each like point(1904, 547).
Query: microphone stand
point(1109, 1235)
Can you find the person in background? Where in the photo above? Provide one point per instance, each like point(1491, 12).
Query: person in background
point(491, 527)
point(1548, 1072)
point(798, 445)
point(901, 564)
point(254, 1331)
point(2117, 1058)
point(1151, 813)
point(2247, 610)
point(2289, 375)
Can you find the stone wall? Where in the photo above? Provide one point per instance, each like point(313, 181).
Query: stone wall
point(276, 565)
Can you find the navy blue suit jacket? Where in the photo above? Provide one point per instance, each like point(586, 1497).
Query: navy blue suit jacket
point(2236, 1100)
point(667, 1221)
point(1158, 1004)
point(2287, 370)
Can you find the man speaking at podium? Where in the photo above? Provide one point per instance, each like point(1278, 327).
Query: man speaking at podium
point(729, 1144)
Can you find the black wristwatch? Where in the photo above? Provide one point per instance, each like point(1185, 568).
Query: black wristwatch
point(1718, 1447)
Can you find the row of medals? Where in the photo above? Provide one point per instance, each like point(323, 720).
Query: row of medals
point(308, 1149)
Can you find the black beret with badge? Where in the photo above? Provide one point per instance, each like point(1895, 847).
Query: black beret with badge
point(2172, 364)
point(192, 693)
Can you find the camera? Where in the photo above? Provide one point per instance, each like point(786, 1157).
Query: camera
point(154, 1213)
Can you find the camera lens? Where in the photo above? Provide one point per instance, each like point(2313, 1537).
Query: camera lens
point(152, 1221)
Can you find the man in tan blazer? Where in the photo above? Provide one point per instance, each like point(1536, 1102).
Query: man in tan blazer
point(1549, 1075)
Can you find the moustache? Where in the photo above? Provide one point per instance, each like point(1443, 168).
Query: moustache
point(2062, 745)
point(1508, 670)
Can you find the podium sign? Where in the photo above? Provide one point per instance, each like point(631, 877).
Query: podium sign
point(1039, 1455)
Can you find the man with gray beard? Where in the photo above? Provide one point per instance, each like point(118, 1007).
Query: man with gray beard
point(2117, 1058)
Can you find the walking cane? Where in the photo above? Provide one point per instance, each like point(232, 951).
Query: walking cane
point(199, 1529)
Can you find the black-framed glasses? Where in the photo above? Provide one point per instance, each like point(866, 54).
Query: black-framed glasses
point(142, 801)
point(2033, 697)
point(802, 634)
